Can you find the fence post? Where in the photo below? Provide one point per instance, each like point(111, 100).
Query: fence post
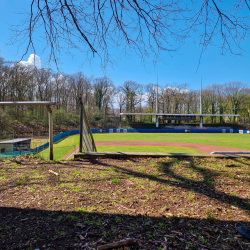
point(81, 124)
point(50, 133)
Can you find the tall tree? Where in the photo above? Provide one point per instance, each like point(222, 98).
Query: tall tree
point(220, 99)
point(236, 92)
point(151, 94)
point(80, 86)
point(121, 100)
point(104, 91)
point(130, 88)
point(190, 100)
point(4, 75)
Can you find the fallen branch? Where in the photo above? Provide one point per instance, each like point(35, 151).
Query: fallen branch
point(52, 172)
point(117, 244)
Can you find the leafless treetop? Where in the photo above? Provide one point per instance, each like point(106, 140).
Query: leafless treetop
point(135, 27)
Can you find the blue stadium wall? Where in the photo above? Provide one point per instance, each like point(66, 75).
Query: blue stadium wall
point(172, 131)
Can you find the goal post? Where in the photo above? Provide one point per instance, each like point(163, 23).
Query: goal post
point(38, 103)
point(87, 143)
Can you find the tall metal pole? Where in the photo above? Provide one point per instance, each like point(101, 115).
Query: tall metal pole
point(201, 118)
point(81, 124)
point(157, 109)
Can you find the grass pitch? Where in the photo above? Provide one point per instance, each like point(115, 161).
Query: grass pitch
point(153, 149)
point(240, 141)
point(67, 144)
point(62, 147)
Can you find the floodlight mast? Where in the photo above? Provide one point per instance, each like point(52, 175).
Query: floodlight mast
point(201, 117)
point(157, 108)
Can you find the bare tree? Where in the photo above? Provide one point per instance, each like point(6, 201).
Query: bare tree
point(4, 73)
point(121, 100)
point(210, 100)
point(102, 92)
point(220, 99)
point(151, 94)
point(177, 94)
point(80, 86)
point(236, 92)
point(130, 90)
point(166, 93)
point(140, 96)
point(140, 27)
point(190, 100)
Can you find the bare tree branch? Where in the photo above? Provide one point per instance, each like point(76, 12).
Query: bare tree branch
point(135, 27)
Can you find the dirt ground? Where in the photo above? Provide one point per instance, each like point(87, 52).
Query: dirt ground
point(166, 203)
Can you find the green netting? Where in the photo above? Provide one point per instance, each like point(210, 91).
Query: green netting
point(87, 143)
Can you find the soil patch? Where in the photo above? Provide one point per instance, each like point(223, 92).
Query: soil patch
point(71, 154)
point(166, 203)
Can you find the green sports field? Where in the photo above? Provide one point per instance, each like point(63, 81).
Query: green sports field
point(67, 144)
point(145, 149)
point(62, 147)
point(241, 141)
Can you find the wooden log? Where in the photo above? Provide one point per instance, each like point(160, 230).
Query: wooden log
point(117, 244)
point(52, 172)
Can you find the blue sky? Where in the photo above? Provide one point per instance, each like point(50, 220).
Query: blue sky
point(180, 68)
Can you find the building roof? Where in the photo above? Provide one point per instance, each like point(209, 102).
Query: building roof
point(162, 114)
point(15, 140)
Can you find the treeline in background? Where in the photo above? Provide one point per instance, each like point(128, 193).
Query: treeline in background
point(104, 99)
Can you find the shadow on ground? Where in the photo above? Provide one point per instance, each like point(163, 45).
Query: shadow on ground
point(43, 229)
